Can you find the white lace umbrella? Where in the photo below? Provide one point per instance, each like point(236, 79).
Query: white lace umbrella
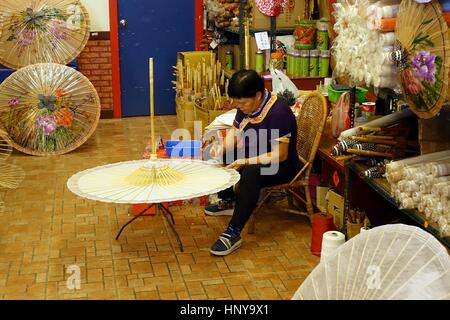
point(136, 182)
point(389, 262)
point(33, 31)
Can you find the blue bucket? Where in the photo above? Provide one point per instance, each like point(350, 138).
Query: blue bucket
point(183, 148)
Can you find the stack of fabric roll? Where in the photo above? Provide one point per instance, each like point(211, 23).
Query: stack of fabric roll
point(381, 17)
point(423, 183)
point(362, 46)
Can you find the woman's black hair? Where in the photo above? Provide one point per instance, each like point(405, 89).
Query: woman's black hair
point(245, 84)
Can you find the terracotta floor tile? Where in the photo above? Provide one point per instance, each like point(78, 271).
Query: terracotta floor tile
point(45, 228)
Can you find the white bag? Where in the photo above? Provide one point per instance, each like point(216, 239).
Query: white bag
point(281, 82)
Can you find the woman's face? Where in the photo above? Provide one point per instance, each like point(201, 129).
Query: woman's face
point(248, 105)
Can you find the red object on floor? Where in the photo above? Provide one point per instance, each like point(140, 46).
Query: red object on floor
point(137, 208)
point(320, 224)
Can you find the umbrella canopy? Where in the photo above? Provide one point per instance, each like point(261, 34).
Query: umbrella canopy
point(390, 262)
point(5, 147)
point(33, 31)
point(48, 109)
point(154, 181)
point(422, 55)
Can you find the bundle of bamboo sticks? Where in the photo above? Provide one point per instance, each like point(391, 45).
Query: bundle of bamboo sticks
point(201, 82)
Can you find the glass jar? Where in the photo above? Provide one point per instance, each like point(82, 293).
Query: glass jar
point(324, 63)
point(313, 63)
point(304, 63)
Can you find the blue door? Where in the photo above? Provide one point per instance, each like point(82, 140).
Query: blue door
point(158, 29)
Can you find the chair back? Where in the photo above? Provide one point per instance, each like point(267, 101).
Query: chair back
point(310, 124)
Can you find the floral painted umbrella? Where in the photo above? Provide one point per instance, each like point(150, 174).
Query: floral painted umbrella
point(48, 109)
point(422, 54)
point(34, 31)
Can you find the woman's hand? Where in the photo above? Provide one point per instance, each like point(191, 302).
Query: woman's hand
point(238, 164)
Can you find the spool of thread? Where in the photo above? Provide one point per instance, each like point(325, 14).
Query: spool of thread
point(320, 224)
point(417, 196)
point(445, 191)
point(421, 207)
point(385, 25)
point(442, 169)
point(388, 38)
point(389, 11)
point(408, 203)
point(332, 240)
point(436, 188)
point(364, 229)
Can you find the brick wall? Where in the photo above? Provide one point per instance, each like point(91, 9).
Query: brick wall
point(95, 63)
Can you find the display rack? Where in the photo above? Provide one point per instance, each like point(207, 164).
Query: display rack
point(382, 188)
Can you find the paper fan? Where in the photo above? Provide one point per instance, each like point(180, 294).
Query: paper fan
point(389, 262)
point(48, 109)
point(117, 182)
point(34, 31)
point(422, 55)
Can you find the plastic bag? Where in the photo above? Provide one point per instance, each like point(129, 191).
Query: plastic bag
point(340, 118)
point(281, 82)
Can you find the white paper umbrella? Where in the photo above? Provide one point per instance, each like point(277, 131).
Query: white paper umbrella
point(136, 182)
point(390, 262)
point(33, 31)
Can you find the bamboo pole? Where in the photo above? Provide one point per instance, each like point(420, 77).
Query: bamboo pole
point(247, 44)
point(374, 140)
point(152, 111)
point(370, 153)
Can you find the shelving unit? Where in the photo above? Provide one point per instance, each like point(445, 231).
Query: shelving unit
point(382, 188)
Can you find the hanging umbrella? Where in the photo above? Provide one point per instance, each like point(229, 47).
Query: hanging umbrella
point(271, 8)
point(48, 109)
point(422, 55)
point(33, 31)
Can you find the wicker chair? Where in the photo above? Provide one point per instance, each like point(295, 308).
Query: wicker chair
point(310, 123)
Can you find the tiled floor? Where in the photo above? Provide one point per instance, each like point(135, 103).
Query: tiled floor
point(45, 228)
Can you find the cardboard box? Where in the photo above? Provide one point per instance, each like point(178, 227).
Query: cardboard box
point(196, 57)
point(286, 19)
point(335, 207)
point(185, 114)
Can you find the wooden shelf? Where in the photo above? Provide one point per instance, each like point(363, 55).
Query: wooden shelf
point(305, 83)
point(383, 188)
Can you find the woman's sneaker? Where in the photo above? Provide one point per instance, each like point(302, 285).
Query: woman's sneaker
point(222, 208)
point(226, 244)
